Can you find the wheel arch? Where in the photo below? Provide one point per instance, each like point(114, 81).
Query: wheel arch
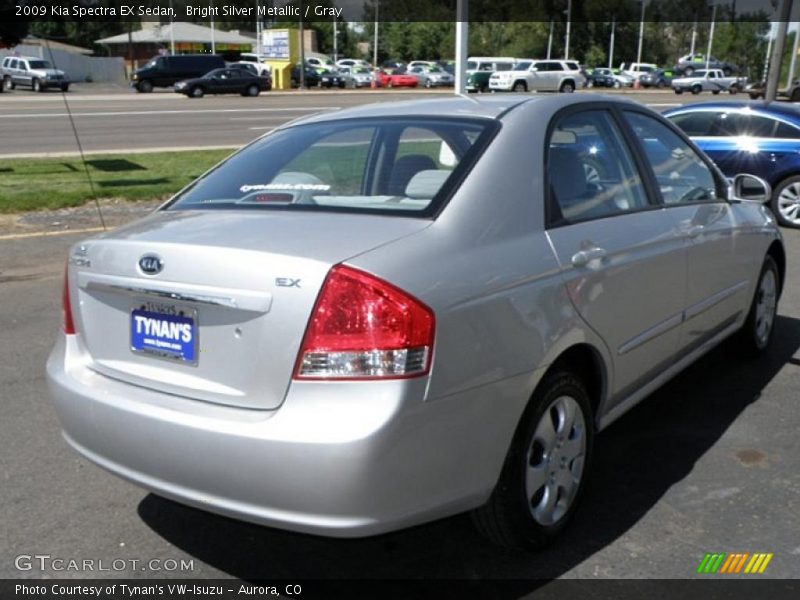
point(778, 254)
point(587, 363)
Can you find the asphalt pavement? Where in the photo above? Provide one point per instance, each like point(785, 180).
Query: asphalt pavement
point(122, 120)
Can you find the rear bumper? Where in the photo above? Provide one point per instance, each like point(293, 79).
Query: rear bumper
point(336, 459)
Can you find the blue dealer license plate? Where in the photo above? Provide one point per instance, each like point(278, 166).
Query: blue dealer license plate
point(171, 335)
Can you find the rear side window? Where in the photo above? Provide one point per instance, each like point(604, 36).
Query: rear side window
point(386, 165)
point(682, 176)
point(590, 170)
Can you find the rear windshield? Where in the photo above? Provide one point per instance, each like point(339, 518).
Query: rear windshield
point(387, 165)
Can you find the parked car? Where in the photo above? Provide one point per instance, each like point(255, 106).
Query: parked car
point(421, 63)
point(792, 93)
point(351, 332)
point(264, 74)
point(223, 81)
point(32, 72)
point(754, 137)
point(480, 69)
point(619, 79)
point(390, 66)
point(357, 76)
point(660, 78)
point(690, 63)
point(320, 64)
point(636, 70)
point(311, 77)
point(398, 78)
point(164, 71)
point(599, 78)
point(432, 76)
point(711, 80)
point(261, 67)
point(540, 76)
point(352, 62)
point(335, 79)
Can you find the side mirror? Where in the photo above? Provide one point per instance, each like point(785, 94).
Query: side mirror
point(749, 188)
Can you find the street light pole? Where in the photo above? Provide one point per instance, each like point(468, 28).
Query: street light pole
point(462, 39)
point(641, 35)
point(777, 51)
point(711, 34)
point(569, 22)
point(611, 43)
point(550, 40)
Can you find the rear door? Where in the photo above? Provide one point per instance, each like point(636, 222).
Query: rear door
point(624, 268)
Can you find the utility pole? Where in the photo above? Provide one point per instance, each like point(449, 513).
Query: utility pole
point(694, 37)
point(569, 22)
point(462, 43)
point(641, 35)
point(550, 40)
point(711, 34)
point(611, 43)
point(774, 74)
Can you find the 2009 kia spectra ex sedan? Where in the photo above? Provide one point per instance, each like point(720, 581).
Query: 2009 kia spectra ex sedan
point(385, 315)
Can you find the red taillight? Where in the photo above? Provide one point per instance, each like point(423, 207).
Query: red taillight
point(364, 328)
point(66, 307)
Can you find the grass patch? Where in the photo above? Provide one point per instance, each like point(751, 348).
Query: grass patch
point(51, 183)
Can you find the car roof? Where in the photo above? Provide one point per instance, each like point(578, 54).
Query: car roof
point(789, 112)
point(487, 107)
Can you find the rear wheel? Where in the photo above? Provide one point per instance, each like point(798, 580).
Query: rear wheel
point(756, 334)
point(715, 92)
point(678, 91)
point(196, 92)
point(145, 86)
point(734, 89)
point(253, 90)
point(545, 470)
point(567, 87)
point(785, 203)
point(8, 84)
point(661, 84)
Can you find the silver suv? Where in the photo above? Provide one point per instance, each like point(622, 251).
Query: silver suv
point(29, 71)
point(539, 75)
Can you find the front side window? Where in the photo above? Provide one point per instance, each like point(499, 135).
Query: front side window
point(681, 174)
point(378, 165)
point(590, 170)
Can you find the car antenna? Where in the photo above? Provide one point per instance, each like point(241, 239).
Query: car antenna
point(78, 141)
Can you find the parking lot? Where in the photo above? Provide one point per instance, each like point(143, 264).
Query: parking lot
point(709, 463)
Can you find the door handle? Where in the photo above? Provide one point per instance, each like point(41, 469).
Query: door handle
point(692, 231)
point(584, 257)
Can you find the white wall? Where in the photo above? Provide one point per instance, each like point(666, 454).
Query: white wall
point(78, 66)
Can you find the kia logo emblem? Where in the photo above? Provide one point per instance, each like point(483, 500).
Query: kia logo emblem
point(151, 264)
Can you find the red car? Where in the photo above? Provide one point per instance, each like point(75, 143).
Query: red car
point(396, 79)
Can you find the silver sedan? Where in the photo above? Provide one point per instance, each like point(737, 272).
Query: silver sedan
point(382, 316)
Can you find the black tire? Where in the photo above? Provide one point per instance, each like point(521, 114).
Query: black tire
point(715, 92)
point(696, 89)
point(65, 88)
point(8, 85)
point(252, 90)
point(36, 85)
point(678, 91)
point(616, 85)
point(661, 84)
point(755, 336)
point(507, 518)
point(755, 96)
point(520, 86)
point(196, 92)
point(484, 88)
point(795, 97)
point(734, 89)
point(567, 87)
point(774, 205)
point(145, 86)
point(428, 83)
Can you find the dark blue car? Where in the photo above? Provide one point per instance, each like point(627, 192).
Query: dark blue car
point(751, 137)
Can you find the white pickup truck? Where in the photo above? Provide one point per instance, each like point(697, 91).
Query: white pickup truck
point(708, 80)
